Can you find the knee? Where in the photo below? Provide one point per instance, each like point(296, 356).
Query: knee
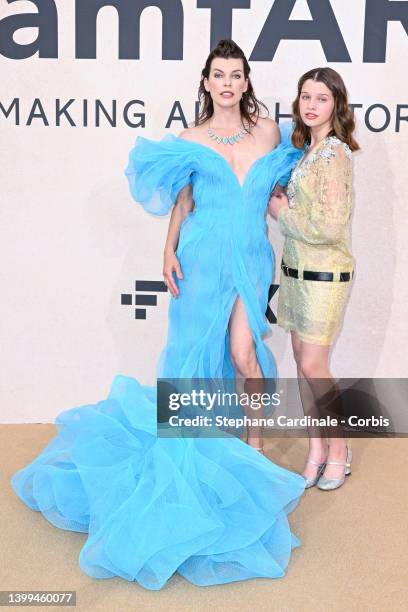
point(312, 368)
point(244, 361)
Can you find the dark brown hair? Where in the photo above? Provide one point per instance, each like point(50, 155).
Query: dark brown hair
point(250, 106)
point(343, 123)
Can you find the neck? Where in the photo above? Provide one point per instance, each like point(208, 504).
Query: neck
point(226, 118)
point(318, 133)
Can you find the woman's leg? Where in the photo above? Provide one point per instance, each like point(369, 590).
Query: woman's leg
point(317, 437)
point(314, 368)
point(244, 360)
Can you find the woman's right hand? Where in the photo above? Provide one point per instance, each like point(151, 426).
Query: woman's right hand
point(171, 264)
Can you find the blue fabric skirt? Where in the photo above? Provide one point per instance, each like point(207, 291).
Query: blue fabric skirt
point(213, 510)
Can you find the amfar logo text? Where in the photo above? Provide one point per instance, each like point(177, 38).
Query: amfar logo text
point(278, 26)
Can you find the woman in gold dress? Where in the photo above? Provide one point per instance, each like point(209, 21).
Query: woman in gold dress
point(317, 265)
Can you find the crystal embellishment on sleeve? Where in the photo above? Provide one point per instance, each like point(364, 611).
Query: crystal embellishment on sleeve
point(326, 152)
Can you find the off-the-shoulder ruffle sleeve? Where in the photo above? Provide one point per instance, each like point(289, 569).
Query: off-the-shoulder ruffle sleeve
point(157, 171)
point(283, 158)
point(286, 130)
point(286, 153)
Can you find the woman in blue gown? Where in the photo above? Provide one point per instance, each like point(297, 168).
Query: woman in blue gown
point(213, 510)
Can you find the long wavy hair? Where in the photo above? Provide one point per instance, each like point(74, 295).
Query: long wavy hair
point(343, 123)
point(250, 106)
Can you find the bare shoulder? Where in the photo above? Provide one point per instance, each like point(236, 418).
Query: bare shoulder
point(268, 131)
point(268, 124)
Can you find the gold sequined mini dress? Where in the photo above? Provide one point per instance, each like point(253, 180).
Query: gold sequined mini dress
point(316, 226)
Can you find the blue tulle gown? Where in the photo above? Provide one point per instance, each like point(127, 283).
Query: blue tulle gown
point(213, 510)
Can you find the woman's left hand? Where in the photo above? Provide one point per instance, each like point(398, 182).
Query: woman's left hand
point(276, 203)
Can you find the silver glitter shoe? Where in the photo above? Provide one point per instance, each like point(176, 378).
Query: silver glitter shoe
point(328, 484)
point(260, 449)
point(311, 482)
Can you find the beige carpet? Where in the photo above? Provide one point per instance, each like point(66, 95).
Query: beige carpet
point(353, 555)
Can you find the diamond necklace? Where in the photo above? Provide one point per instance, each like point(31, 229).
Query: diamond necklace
point(237, 137)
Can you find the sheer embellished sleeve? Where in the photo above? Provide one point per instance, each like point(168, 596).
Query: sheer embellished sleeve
point(327, 199)
point(157, 171)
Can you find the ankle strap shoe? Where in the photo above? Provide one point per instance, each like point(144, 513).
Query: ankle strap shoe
point(328, 484)
point(311, 482)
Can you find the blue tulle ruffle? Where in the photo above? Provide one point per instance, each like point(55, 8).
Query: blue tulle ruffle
point(214, 511)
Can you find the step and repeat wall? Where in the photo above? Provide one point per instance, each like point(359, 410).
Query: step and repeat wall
point(81, 262)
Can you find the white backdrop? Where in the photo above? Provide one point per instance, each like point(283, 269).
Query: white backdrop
point(73, 240)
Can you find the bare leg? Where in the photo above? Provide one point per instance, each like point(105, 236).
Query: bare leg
point(318, 447)
point(314, 368)
point(240, 387)
point(243, 357)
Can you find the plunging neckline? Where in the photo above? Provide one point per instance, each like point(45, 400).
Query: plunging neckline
point(217, 154)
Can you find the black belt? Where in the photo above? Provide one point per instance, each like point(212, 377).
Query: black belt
point(319, 276)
